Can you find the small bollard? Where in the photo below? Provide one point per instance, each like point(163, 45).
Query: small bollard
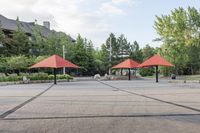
point(184, 81)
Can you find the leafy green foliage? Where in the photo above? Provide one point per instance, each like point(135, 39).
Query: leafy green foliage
point(136, 52)
point(33, 77)
point(178, 32)
point(37, 41)
point(2, 40)
point(82, 54)
point(39, 58)
point(146, 72)
point(148, 51)
point(17, 62)
point(3, 64)
point(180, 35)
point(20, 42)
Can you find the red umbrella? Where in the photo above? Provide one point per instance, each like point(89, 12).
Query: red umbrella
point(55, 62)
point(156, 61)
point(129, 63)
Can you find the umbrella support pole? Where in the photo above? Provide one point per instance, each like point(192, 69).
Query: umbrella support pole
point(156, 74)
point(135, 73)
point(129, 74)
point(54, 71)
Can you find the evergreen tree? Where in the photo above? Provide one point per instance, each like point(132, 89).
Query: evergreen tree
point(136, 52)
point(104, 62)
point(52, 45)
point(115, 49)
point(124, 47)
point(38, 41)
point(80, 55)
point(2, 40)
point(20, 42)
point(148, 51)
point(91, 70)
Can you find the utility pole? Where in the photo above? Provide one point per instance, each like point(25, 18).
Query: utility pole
point(64, 58)
point(110, 56)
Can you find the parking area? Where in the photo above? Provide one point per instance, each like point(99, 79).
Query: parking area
point(141, 106)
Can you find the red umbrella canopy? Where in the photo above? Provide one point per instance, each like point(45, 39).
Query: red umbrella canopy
point(156, 60)
point(54, 61)
point(129, 63)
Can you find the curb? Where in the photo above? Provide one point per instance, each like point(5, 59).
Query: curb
point(184, 81)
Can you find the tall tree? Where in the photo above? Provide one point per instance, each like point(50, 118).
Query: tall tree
point(124, 47)
point(91, 58)
point(136, 52)
point(17, 63)
point(103, 59)
point(179, 31)
point(38, 41)
point(114, 47)
point(20, 41)
point(81, 53)
point(148, 51)
point(66, 43)
point(2, 40)
point(52, 45)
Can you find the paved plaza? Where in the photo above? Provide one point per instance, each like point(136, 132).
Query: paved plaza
point(137, 106)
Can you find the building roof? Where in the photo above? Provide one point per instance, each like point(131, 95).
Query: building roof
point(27, 27)
point(129, 63)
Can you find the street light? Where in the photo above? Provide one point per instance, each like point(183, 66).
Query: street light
point(64, 52)
point(110, 56)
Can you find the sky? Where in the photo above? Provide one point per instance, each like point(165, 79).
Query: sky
point(96, 19)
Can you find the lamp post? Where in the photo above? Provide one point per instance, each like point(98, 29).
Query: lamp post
point(110, 55)
point(64, 58)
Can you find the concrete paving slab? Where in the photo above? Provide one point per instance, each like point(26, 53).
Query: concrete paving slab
point(189, 124)
point(13, 95)
point(185, 94)
point(92, 98)
point(90, 106)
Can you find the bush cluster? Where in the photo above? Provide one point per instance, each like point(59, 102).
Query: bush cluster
point(146, 72)
point(32, 76)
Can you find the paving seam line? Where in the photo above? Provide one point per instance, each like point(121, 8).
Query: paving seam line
point(99, 116)
point(2, 116)
point(152, 98)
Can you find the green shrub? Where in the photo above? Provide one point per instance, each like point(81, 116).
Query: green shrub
point(33, 76)
point(10, 78)
point(38, 76)
point(24, 74)
point(2, 78)
point(51, 77)
point(66, 76)
point(146, 72)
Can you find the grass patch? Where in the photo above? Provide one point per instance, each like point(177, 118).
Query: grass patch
point(189, 77)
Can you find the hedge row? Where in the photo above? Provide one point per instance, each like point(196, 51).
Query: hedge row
point(34, 76)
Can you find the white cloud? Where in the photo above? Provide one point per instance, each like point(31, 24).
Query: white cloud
point(70, 16)
point(109, 8)
point(120, 1)
point(127, 2)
